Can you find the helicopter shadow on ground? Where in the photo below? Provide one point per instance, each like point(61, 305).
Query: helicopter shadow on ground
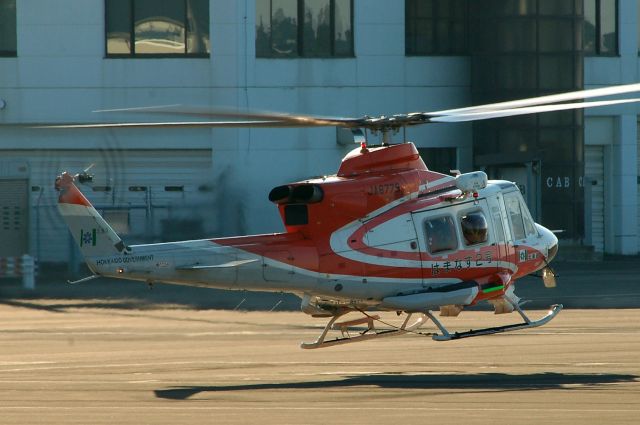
point(474, 383)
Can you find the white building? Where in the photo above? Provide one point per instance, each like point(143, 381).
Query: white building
point(66, 58)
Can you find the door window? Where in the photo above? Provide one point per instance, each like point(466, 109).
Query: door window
point(474, 227)
point(440, 234)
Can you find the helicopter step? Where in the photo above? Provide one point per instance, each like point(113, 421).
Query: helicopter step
point(528, 323)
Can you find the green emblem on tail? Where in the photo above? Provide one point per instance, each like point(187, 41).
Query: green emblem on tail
point(87, 238)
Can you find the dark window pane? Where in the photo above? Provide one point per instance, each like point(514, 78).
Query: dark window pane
point(513, 35)
point(458, 37)
point(459, 9)
point(159, 27)
point(556, 72)
point(589, 36)
point(198, 41)
point(284, 27)
point(118, 27)
point(263, 28)
point(555, 35)
point(556, 7)
point(558, 143)
point(316, 34)
point(608, 30)
point(515, 7)
point(8, 40)
point(442, 37)
point(421, 8)
point(343, 33)
point(441, 160)
point(424, 37)
point(435, 27)
point(443, 9)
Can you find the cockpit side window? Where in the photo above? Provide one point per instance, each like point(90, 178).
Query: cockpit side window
point(529, 225)
point(475, 229)
point(440, 233)
point(512, 204)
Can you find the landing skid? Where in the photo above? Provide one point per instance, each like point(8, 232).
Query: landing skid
point(369, 333)
point(528, 323)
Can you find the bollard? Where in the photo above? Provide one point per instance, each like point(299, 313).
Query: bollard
point(28, 272)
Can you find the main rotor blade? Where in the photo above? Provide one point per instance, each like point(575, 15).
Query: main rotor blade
point(182, 124)
point(541, 100)
point(477, 116)
point(301, 120)
point(249, 119)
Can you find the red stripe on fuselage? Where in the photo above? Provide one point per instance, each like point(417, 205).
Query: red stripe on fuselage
point(357, 242)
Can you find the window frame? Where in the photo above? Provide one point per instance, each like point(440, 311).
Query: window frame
point(454, 226)
point(132, 33)
point(300, 50)
point(598, 34)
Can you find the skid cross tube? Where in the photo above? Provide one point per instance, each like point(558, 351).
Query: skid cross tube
point(369, 333)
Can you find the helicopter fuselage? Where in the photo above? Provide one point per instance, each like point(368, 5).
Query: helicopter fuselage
point(385, 231)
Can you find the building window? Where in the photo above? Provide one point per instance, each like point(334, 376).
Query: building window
point(440, 160)
point(326, 30)
point(157, 28)
point(8, 39)
point(435, 27)
point(601, 27)
point(638, 24)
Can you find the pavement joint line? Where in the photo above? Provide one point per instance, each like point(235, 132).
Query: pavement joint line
point(322, 408)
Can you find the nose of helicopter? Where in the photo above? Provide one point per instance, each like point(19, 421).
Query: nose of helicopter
point(550, 241)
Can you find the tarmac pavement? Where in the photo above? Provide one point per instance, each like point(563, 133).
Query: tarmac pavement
point(65, 362)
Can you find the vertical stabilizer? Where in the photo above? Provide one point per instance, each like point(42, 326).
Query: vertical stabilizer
point(91, 232)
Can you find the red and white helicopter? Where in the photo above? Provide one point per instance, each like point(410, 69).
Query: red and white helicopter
point(383, 233)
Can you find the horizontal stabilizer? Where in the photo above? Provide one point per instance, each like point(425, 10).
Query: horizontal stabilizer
point(235, 263)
